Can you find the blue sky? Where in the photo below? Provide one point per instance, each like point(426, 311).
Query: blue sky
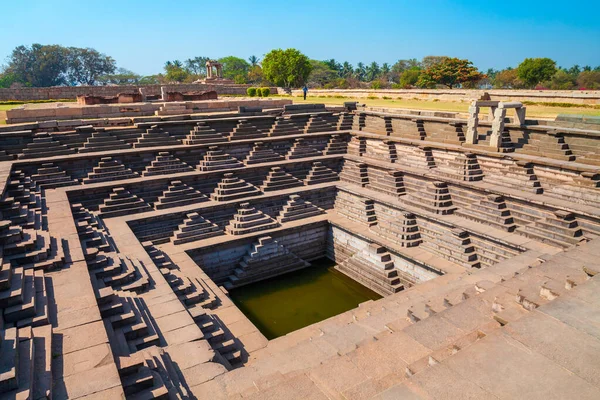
point(142, 35)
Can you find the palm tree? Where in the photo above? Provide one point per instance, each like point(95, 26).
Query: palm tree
point(385, 69)
point(373, 71)
point(347, 69)
point(360, 71)
point(253, 60)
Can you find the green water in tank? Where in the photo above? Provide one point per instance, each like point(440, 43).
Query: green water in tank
point(289, 302)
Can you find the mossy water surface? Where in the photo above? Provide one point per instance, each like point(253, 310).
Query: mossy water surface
point(292, 301)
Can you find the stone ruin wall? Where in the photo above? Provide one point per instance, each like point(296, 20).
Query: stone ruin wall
point(71, 92)
point(466, 95)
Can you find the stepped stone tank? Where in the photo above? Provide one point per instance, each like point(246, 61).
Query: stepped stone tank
point(119, 246)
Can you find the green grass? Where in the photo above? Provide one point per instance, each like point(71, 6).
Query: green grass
point(4, 107)
point(534, 110)
point(18, 102)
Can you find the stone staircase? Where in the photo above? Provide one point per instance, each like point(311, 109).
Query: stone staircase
point(417, 339)
point(203, 134)
point(397, 226)
point(195, 227)
point(374, 268)
point(103, 141)
point(383, 150)
point(463, 167)
point(164, 164)
point(452, 132)
point(278, 179)
point(179, 194)
point(302, 149)
point(321, 122)
point(298, 208)
point(547, 145)
point(292, 125)
point(265, 259)
point(560, 229)
point(518, 175)
point(109, 169)
point(122, 202)
point(356, 173)
point(232, 188)
point(357, 146)
point(431, 196)
point(418, 157)
point(355, 208)
point(492, 211)
point(156, 136)
point(248, 220)
point(452, 244)
point(251, 129)
point(26, 368)
point(319, 173)
point(346, 121)
point(216, 160)
point(44, 145)
point(386, 181)
point(411, 129)
point(260, 153)
point(335, 145)
point(50, 176)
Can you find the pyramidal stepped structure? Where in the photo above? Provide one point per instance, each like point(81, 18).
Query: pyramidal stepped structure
point(261, 153)
point(166, 163)
point(248, 220)
point(109, 169)
point(232, 188)
point(278, 179)
point(297, 208)
point(179, 194)
point(216, 159)
point(195, 227)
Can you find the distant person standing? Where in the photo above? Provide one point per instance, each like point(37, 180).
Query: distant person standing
point(305, 90)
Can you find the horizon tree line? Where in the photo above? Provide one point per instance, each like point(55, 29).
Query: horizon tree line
point(53, 65)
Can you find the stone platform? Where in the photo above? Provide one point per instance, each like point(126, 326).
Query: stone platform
point(118, 246)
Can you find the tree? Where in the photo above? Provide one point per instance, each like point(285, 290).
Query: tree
point(430, 61)
point(255, 75)
point(122, 76)
point(410, 77)
point(253, 61)
point(234, 68)
point(39, 65)
point(385, 71)
point(563, 80)
point(360, 71)
point(85, 66)
point(321, 74)
point(7, 79)
point(347, 70)
point(450, 72)
point(289, 68)
point(196, 65)
point(535, 70)
point(334, 66)
point(402, 65)
point(373, 71)
point(589, 79)
point(175, 71)
point(507, 79)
